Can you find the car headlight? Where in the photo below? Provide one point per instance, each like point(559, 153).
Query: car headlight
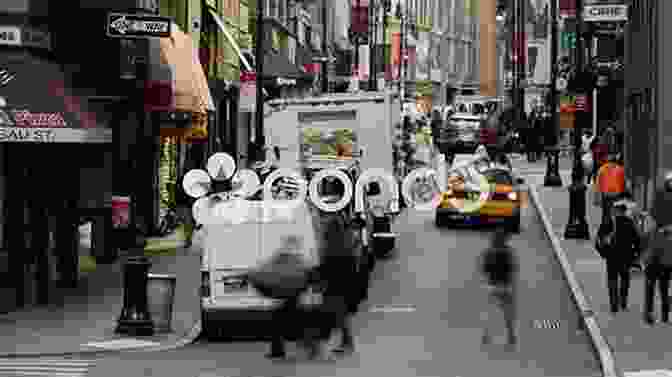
point(513, 196)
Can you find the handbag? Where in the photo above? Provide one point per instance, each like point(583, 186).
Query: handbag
point(587, 161)
point(311, 298)
point(597, 196)
point(283, 276)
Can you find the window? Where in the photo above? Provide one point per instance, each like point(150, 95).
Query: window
point(272, 8)
point(282, 11)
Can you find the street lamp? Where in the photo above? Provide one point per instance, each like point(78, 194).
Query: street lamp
point(577, 226)
point(552, 178)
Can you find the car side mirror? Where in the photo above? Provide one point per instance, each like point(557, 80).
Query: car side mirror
point(520, 181)
point(668, 182)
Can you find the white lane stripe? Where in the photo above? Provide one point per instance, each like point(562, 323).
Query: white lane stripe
point(392, 309)
point(45, 369)
point(45, 362)
point(46, 374)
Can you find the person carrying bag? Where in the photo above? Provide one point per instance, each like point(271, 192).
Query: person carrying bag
point(658, 271)
point(283, 276)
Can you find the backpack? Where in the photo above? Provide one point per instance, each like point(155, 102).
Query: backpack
point(498, 265)
point(603, 240)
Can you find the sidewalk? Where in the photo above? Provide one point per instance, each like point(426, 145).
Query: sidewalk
point(635, 346)
point(88, 314)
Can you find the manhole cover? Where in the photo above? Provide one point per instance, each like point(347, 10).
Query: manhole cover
point(546, 324)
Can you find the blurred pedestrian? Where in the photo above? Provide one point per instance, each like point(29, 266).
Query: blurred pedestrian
point(658, 270)
point(284, 277)
point(600, 150)
point(499, 267)
point(622, 249)
point(342, 287)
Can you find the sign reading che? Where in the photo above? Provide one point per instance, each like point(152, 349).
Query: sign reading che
point(605, 13)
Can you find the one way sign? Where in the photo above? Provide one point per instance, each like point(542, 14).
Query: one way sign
point(121, 25)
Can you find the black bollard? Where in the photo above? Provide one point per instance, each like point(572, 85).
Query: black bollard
point(135, 319)
point(577, 226)
point(552, 178)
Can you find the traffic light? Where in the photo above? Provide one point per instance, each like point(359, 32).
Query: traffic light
point(568, 40)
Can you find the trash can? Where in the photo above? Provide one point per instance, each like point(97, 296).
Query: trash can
point(160, 296)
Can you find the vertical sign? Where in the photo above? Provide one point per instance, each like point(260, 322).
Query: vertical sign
point(395, 57)
point(248, 91)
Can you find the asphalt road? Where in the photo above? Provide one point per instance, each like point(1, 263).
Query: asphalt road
point(423, 319)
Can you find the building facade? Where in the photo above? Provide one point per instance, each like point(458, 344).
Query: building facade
point(647, 115)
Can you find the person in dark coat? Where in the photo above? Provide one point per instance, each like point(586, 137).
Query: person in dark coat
point(658, 271)
point(338, 275)
point(620, 247)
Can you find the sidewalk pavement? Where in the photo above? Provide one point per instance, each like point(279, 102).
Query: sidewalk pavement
point(634, 345)
point(88, 314)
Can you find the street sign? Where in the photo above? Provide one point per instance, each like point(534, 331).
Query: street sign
point(561, 84)
point(120, 25)
point(581, 102)
point(568, 40)
point(606, 12)
point(248, 92)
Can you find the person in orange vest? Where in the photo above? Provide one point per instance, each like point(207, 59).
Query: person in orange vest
point(610, 184)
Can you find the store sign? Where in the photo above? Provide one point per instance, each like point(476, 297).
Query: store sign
point(10, 36)
point(248, 92)
point(25, 118)
point(5, 77)
point(605, 13)
point(24, 36)
point(285, 82)
point(121, 25)
point(54, 135)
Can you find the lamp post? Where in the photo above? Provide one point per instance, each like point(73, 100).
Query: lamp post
point(325, 79)
point(552, 178)
point(577, 226)
point(259, 61)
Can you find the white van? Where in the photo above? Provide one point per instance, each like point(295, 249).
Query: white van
point(243, 234)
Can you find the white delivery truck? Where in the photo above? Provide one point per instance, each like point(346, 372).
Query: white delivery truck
point(356, 131)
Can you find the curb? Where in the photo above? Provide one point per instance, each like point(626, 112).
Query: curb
point(587, 314)
point(188, 338)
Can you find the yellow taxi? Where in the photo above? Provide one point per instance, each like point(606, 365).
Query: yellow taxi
point(493, 196)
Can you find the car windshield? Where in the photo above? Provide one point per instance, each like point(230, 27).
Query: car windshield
point(498, 177)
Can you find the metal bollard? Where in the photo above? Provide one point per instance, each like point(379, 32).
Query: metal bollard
point(161, 298)
point(135, 319)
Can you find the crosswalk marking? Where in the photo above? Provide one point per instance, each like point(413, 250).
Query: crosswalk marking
point(45, 367)
point(546, 324)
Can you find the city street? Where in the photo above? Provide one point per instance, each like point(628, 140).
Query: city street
point(423, 319)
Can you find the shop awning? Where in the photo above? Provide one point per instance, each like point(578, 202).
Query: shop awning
point(37, 104)
point(191, 87)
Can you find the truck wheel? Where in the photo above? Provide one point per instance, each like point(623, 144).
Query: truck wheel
point(515, 223)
